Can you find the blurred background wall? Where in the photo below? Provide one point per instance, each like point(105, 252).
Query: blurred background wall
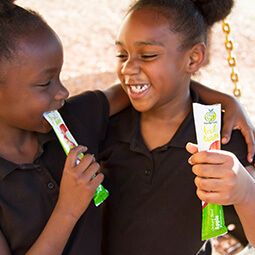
point(88, 29)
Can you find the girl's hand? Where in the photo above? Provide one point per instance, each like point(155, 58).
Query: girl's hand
point(78, 186)
point(235, 116)
point(220, 177)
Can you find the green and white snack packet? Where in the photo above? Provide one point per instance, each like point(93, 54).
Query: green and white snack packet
point(68, 142)
point(208, 124)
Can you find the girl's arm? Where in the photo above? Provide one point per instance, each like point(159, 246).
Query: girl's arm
point(221, 179)
point(117, 98)
point(235, 116)
point(246, 209)
point(3, 245)
point(77, 188)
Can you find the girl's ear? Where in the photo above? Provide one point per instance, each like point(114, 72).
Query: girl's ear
point(196, 57)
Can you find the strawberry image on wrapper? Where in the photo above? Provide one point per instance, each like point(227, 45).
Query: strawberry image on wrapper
point(68, 142)
point(207, 120)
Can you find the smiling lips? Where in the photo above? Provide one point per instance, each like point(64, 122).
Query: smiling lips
point(138, 90)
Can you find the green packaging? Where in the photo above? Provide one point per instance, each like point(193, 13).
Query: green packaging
point(213, 223)
point(208, 124)
point(68, 142)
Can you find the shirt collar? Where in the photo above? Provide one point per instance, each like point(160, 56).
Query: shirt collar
point(186, 132)
point(6, 166)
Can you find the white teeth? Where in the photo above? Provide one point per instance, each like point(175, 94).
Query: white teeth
point(139, 88)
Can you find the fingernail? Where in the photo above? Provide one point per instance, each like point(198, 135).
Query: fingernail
point(190, 161)
point(224, 140)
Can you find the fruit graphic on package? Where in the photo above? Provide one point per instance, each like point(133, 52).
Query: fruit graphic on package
point(215, 145)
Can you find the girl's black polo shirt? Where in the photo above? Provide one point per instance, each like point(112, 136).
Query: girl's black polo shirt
point(153, 207)
point(29, 192)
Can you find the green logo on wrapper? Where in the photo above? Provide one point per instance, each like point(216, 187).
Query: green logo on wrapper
point(210, 115)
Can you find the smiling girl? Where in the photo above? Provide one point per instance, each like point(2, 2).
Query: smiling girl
point(153, 207)
point(45, 199)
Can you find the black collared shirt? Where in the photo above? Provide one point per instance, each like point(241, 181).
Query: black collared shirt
point(152, 207)
point(29, 192)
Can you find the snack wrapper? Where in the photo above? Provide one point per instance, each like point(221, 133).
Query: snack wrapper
point(68, 142)
point(208, 124)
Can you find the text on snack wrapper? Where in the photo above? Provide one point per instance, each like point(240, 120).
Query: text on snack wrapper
point(211, 134)
point(55, 118)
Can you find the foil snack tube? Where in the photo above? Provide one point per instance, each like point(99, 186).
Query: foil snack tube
point(68, 142)
point(207, 120)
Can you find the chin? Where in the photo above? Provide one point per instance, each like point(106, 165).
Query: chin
point(141, 107)
point(45, 128)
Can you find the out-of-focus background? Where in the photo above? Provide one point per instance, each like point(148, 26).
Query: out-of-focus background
point(88, 30)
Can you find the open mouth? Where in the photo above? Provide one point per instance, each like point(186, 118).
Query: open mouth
point(139, 88)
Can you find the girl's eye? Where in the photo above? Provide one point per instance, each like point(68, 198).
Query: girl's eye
point(44, 84)
point(121, 56)
point(148, 57)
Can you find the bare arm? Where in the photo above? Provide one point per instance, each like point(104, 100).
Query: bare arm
point(246, 210)
point(3, 245)
point(76, 191)
point(235, 116)
point(118, 99)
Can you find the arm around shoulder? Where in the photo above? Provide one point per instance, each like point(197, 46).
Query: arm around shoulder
point(117, 98)
point(235, 116)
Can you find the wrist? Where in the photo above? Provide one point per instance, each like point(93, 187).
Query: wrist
point(67, 213)
point(248, 197)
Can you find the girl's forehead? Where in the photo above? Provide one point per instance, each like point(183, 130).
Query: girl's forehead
point(39, 47)
point(149, 14)
point(145, 23)
point(146, 19)
point(37, 53)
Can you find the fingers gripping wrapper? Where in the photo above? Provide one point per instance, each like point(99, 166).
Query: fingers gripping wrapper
point(68, 142)
point(207, 124)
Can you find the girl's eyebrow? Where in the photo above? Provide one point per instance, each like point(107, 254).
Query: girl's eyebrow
point(46, 72)
point(49, 70)
point(143, 43)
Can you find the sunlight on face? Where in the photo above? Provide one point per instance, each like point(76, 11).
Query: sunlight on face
point(151, 67)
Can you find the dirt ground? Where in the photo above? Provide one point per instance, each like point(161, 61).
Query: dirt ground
point(88, 29)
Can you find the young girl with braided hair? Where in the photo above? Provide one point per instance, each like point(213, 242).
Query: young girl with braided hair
point(153, 207)
point(45, 198)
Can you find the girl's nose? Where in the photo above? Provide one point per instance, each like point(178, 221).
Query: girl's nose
point(62, 92)
point(130, 67)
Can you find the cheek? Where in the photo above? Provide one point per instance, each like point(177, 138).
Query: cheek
point(153, 70)
point(43, 99)
point(120, 76)
point(118, 70)
point(36, 108)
